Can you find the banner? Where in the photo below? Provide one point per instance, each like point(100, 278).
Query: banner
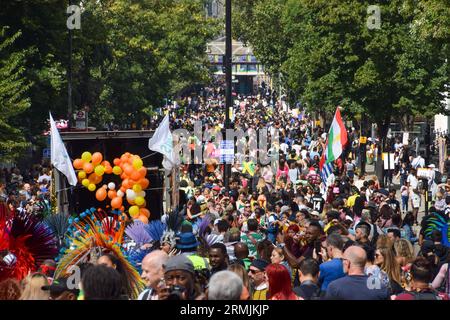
point(405, 138)
point(58, 153)
point(388, 163)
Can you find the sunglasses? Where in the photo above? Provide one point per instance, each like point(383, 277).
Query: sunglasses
point(254, 271)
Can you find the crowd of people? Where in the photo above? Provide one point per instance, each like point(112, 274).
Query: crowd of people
point(288, 233)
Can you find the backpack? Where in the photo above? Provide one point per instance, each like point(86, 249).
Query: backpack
point(428, 295)
point(437, 177)
point(445, 286)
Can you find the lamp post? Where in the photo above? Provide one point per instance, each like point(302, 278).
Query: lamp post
point(228, 83)
point(69, 80)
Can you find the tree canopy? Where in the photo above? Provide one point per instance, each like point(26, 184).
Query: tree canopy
point(330, 56)
point(127, 57)
point(13, 96)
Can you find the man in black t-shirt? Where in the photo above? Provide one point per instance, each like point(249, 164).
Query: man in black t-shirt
point(318, 201)
point(392, 202)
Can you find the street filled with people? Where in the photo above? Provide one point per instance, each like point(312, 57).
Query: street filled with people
point(301, 227)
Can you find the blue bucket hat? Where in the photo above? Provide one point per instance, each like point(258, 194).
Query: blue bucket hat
point(187, 240)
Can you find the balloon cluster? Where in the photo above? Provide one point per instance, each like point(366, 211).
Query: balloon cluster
point(131, 170)
point(91, 169)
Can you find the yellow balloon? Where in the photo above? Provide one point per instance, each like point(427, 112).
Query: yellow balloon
point(81, 174)
point(139, 201)
point(99, 170)
point(91, 187)
point(137, 188)
point(85, 182)
point(137, 163)
point(134, 211)
point(86, 156)
point(117, 170)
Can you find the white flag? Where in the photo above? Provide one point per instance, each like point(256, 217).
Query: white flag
point(162, 142)
point(59, 157)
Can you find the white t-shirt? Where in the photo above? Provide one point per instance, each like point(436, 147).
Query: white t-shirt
point(418, 162)
point(293, 174)
point(397, 146)
point(359, 184)
point(297, 148)
point(44, 177)
point(415, 198)
point(284, 147)
point(413, 182)
point(303, 153)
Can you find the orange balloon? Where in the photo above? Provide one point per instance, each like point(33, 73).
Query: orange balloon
point(126, 184)
point(123, 189)
point(123, 158)
point(135, 175)
point(144, 212)
point(100, 195)
point(144, 219)
point(127, 154)
point(108, 169)
point(128, 169)
point(106, 163)
point(78, 164)
point(88, 167)
point(123, 176)
point(144, 183)
point(117, 162)
point(91, 177)
point(142, 172)
point(96, 158)
point(95, 179)
point(116, 203)
point(122, 208)
point(112, 194)
point(131, 202)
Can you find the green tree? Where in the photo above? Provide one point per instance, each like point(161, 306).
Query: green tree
point(334, 58)
point(127, 57)
point(13, 96)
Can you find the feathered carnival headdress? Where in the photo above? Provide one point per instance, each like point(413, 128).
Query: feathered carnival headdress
point(25, 242)
point(439, 222)
point(92, 234)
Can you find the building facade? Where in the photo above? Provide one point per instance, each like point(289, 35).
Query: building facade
point(248, 72)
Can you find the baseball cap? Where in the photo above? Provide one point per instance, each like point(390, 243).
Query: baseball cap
point(59, 286)
point(315, 213)
point(260, 264)
point(285, 208)
point(180, 262)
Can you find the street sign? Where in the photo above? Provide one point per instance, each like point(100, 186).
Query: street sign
point(425, 173)
point(226, 151)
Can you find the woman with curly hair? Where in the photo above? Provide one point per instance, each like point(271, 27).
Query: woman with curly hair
point(10, 289)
